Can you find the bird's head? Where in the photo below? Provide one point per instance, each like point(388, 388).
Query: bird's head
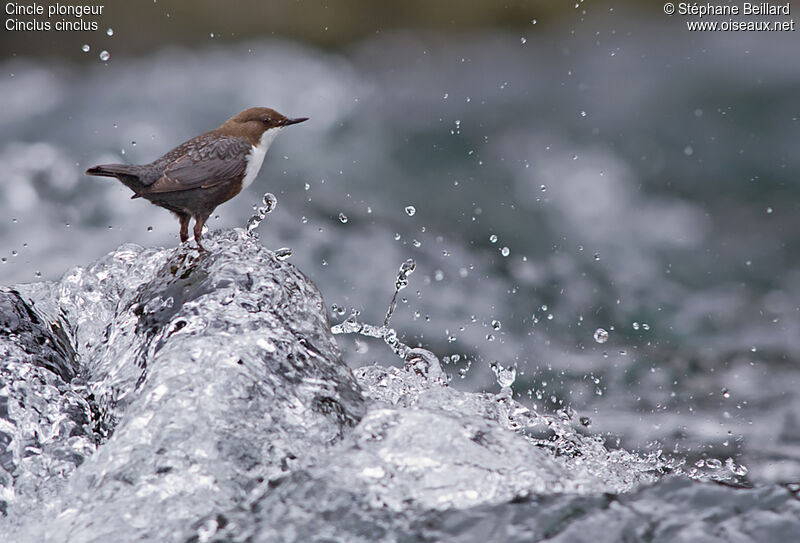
point(253, 123)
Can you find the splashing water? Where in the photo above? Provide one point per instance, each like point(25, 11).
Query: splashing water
point(388, 335)
point(406, 269)
point(159, 395)
point(270, 202)
point(505, 376)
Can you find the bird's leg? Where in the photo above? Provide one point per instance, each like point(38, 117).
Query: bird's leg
point(184, 227)
point(199, 221)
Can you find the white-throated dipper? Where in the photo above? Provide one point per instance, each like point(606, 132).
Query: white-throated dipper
point(200, 174)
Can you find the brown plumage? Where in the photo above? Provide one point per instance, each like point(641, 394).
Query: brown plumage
point(200, 174)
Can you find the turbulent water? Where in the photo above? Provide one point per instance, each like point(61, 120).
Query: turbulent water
point(587, 178)
point(170, 395)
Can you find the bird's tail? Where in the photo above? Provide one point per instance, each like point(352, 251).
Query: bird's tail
point(128, 174)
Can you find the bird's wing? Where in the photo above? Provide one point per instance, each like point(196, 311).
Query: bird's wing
point(206, 164)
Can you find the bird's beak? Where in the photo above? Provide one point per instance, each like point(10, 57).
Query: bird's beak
point(295, 121)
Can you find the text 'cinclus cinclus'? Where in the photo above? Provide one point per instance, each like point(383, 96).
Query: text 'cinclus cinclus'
point(198, 175)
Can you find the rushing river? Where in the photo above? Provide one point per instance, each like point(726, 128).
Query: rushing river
point(601, 327)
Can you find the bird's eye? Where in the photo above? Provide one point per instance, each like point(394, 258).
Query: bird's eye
point(266, 121)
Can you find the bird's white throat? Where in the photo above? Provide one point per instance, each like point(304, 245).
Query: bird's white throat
point(256, 157)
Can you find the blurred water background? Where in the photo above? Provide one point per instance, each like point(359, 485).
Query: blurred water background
point(553, 172)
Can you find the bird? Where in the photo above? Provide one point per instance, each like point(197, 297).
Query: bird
point(198, 175)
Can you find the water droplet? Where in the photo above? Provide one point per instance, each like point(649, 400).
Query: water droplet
point(343, 218)
point(597, 256)
point(726, 393)
point(406, 269)
point(523, 41)
point(600, 335)
point(583, 114)
point(104, 55)
point(543, 188)
point(416, 243)
point(149, 228)
point(586, 421)
point(438, 275)
point(736, 469)
point(283, 253)
point(713, 463)
point(635, 325)
point(496, 324)
point(505, 376)
point(688, 150)
point(493, 238)
point(86, 48)
point(38, 273)
point(769, 211)
point(410, 210)
point(269, 201)
point(110, 32)
point(505, 251)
